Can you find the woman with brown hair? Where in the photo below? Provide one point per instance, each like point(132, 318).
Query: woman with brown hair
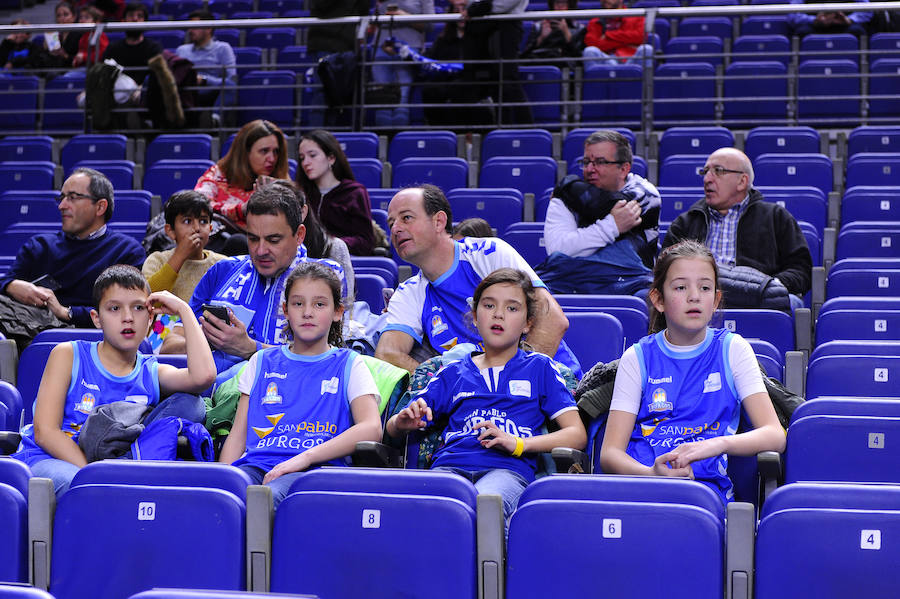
point(257, 155)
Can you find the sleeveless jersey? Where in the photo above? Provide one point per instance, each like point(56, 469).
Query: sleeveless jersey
point(92, 385)
point(687, 396)
point(297, 402)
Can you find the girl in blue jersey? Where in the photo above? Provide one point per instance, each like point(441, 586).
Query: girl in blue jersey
point(497, 402)
point(679, 391)
point(306, 403)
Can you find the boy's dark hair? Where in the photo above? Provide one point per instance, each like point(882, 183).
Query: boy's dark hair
point(137, 7)
point(202, 14)
point(318, 272)
point(123, 275)
point(187, 202)
point(277, 198)
point(473, 227)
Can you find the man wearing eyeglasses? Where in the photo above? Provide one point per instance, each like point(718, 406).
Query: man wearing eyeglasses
point(601, 231)
point(743, 230)
point(51, 281)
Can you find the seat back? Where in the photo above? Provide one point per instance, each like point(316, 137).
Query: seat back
point(884, 75)
point(61, 112)
point(499, 209)
point(19, 95)
point(268, 95)
point(770, 325)
point(37, 175)
point(14, 548)
point(748, 87)
point(87, 146)
point(853, 376)
point(611, 93)
point(167, 176)
point(542, 85)
point(26, 147)
point(421, 144)
point(694, 140)
point(682, 170)
point(781, 140)
point(195, 146)
point(447, 173)
point(873, 138)
point(119, 172)
point(594, 337)
point(828, 91)
point(165, 474)
point(761, 47)
point(516, 142)
point(367, 171)
point(369, 289)
point(358, 144)
point(12, 402)
point(874, 169)
point(791, 170)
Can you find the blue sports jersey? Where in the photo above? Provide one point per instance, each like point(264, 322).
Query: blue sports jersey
point(92, 385)
point(437, 309)
point(687, 396)
point(528, 392)
point(297, 402)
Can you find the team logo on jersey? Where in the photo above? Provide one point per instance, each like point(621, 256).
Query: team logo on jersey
point(330, 386)
point(713, 382)
point(438, 325)
point(450, 344)
point(262, 432)
point(90, 385)
point(648, 429)
point(522, 388)
point(660, 403)
point(271, 396)
point(86, 404)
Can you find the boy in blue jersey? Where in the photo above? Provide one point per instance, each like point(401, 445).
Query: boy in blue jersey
point(82, 375)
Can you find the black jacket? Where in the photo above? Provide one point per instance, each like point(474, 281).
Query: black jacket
point(768, 239)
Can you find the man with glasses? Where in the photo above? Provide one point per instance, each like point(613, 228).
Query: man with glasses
point(742, 230)
point(51, 281)
point(601, 231)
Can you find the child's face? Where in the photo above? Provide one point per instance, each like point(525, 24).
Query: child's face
point(190, 228)
point(501, 316)
point(688, 300)
point(310, 310)
point(123, 316)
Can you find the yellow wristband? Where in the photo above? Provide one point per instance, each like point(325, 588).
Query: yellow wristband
point(520, 447)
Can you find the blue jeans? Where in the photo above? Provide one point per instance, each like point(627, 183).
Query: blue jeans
point(505, 483)
point(393, 73)
point(643, 52)
point(181, 405)
point(280, 486)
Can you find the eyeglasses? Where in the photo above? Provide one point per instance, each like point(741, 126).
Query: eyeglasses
point(717, 171)
point(72, 196)
point(598, 162)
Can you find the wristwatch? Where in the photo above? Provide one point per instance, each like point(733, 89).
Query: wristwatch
point(69, 311)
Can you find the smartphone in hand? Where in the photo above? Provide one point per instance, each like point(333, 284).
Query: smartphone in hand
point(220, 312)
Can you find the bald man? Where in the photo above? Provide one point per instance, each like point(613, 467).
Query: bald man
point(741, 228)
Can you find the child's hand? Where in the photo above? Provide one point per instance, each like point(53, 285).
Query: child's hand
point(298, 463)
point(688, 453)
point(163, 302)
point(494, 437)
point(663, 467)
point(416, 415)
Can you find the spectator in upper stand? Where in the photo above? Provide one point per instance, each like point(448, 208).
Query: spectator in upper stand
point(62, 45)
point(50, 284)
point(495, 42)
point(135, 51)
point(742, 229)
point(443, 87)
point(86, 56)
point(555, 38)
point(829, 21)
point(340, 202)
point(213, 60)
point(18, 51)
point(257, 155)
point(398, 72)
point(616, 40)
point(601, 232)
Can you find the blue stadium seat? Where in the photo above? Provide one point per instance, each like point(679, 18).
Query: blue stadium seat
point(594, 337)
point(781, 140)
point(253, 14)
point(597, 528)
point(804, 527)
point(268, 95)
point(168, 176)
point(119, 172)
point(280, 6)
point(806, 203)
point(792, 170)
point(12, 403)
point(676, 200)
point(27, 147)
point(516, 142)
point(367, 171)
point(858, 324)
point(28, 206)
point(132, 206)
point(14, 549)
point(611, 94)
point(765, 25)
point(684, 91)
point(93, 146)
point(139, 521)
point(342, 565)
point(847, 406)
point(380, 197)
point(828, 92)
point(167, 38)
point(827, 46)
point(885, 43)
point(361, 144)
point(755, 48)
point(421, 144)
point(681, 170)
point(704, 49)
point(381, 265)
point(368, 289)
point(853, 376)
point(229, 7)
point(193, 146)
point(871, 138)
point(178, 7)
point(863, 276)
point(527, 174)
point(635, 323)
point(232, 37)
point(271, 37)
point(248, 57)
point(694, 140)
point(720, 27)
point(528, 242)
point(499, 209)
point(36, 175)
point(869, 168)
point(865, 203)
point(860, 303)
point(20, 101)
point(447, 173)
point(866, 242)
point(747, 83)
point(770, 325)
point(542, 85)
point(193, 594)
point(769, 357)
point(60, 110)
point(165, 474)
point(600, 302)
point(884, 79)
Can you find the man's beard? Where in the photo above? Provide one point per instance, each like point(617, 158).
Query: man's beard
point(134, 34)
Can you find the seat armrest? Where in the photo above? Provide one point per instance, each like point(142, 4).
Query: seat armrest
point(41, 509)
point(378, 455)
point(491, 533)
point(9, 441)
point(568, 460)
point(771, 473)
point(740, 527)
point(260, 515)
